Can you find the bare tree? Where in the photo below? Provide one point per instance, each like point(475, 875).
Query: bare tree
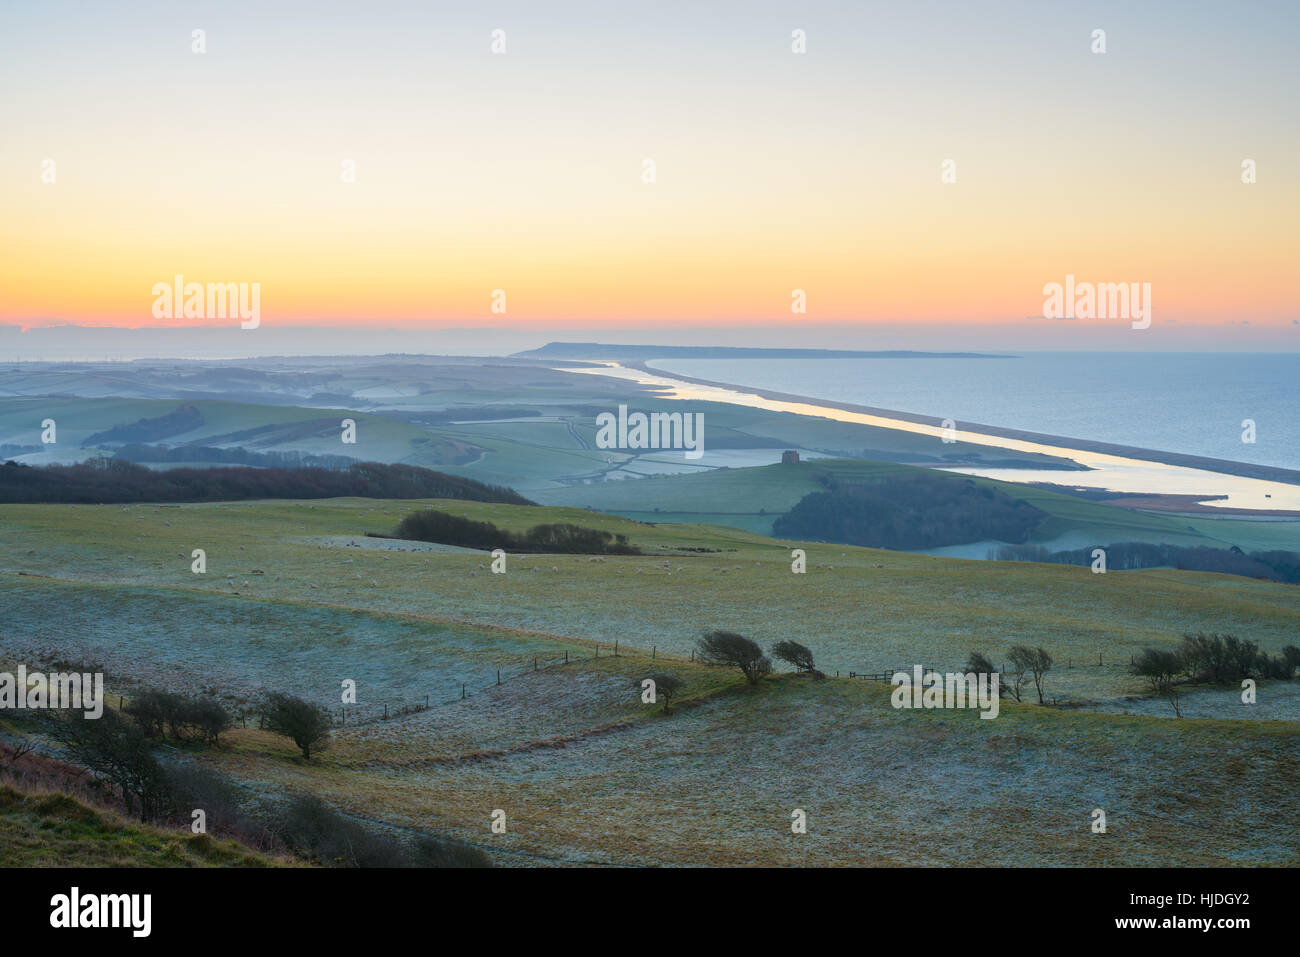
point(116, 751)
point(1017, 672)
point(1034, 660)
point(16, 754)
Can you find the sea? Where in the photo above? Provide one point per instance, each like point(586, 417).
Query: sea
point(1194, 403)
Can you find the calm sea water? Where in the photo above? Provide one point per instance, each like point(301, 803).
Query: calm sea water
point(1176, 402)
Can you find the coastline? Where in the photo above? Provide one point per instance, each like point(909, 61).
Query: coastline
point(1268, 473)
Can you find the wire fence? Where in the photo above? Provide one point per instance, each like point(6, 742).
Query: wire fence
point(356, 715)
point(353, 716)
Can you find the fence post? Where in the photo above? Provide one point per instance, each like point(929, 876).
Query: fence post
point(534, 662)
point(654, 652)
point(498, 676)
point(344, 712)
point(426, 702)
point(462, 691)
point(385, 711)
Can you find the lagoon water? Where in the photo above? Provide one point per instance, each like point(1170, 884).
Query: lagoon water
point(1175, 402)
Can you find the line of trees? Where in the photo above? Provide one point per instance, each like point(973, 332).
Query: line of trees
point(159, 712)
point(112, 481)
point(230, 455)
point(1275, 565)
point(117, 747)
point(1210, 659)
point(442, 528)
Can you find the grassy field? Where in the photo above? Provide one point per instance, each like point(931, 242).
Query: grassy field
point(296, 598)
point(859, 609)
point(54, 830)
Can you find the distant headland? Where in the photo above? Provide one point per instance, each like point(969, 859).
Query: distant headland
point(599, 350)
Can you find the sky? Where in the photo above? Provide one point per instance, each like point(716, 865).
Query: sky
point(774, 171)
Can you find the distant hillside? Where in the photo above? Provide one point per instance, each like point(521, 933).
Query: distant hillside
point(103, 481)
point(920, 510)
point(754, 498)
point(598, 350)
point(184, 418)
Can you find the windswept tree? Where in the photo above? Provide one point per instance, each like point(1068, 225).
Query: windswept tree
point(729, 648)
point(667, 687)
point(306, 723)
point(979, 664)
point(1034, 660)
point(794, 654)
